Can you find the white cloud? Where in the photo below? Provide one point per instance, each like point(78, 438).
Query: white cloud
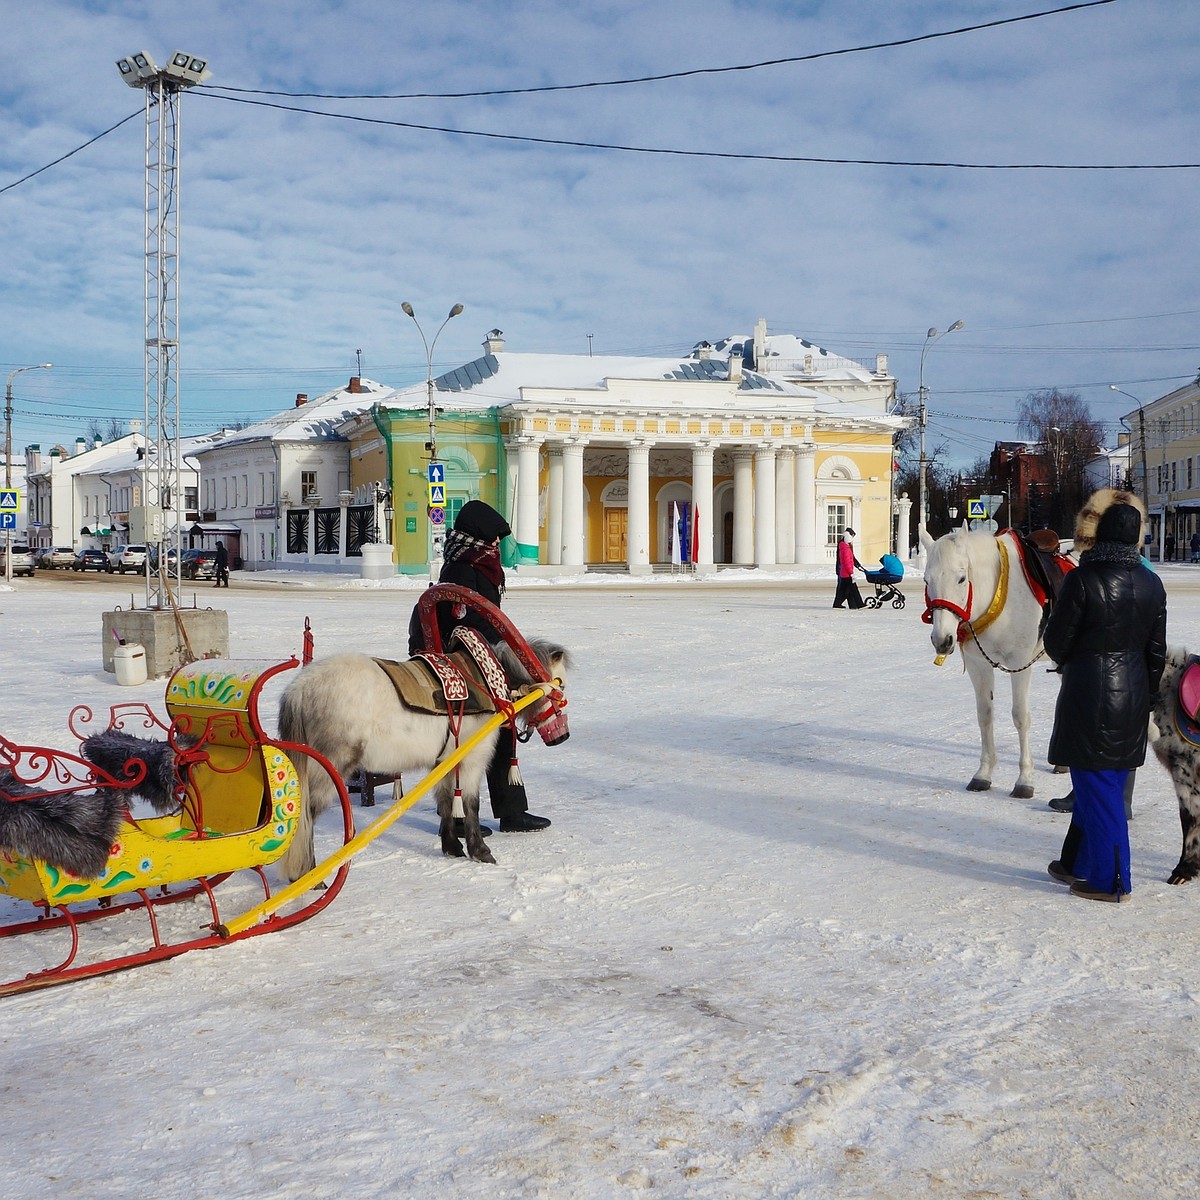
point(302, 234)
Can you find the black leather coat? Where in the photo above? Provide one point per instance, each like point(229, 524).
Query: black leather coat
point(1108, 633)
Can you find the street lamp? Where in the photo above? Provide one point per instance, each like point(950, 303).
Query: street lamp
point(8, 454)
point(431, 445)
point(932, 336)
point(1112, 387)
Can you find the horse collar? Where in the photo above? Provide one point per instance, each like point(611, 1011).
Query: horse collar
point(966, 626)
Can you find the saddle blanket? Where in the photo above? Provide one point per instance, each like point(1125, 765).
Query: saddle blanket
point(418, 685)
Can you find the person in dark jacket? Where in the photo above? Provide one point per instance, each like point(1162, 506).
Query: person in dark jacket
point(1108, 634)
point(222, 566)
point(471, 559)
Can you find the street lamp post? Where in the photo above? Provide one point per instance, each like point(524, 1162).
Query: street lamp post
point(1112, 387)
point(932, 336)
point(8, 454)
point(438, 532)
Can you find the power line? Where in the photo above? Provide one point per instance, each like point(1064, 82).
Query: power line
point(69, 153)
point(755, 66)
point(727, 155)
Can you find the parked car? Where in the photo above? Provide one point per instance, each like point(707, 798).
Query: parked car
point(128, 558)
point(91, 560)
point(198, 564)
point(172, 556)
point(53, 557)
point(22, 559)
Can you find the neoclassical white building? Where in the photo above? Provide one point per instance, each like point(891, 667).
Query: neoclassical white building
point(596, 459)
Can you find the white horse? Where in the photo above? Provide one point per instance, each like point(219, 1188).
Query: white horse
point(977, 596)
point(346, 708)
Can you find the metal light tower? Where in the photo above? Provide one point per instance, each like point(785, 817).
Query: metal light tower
point(160, 464)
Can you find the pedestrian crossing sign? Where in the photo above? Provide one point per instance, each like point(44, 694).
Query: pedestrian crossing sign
point(437, 495)
point(977, 510)
point(10, 499)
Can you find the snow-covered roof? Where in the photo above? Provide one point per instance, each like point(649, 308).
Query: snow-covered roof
point(314, 421)
point(788, 354)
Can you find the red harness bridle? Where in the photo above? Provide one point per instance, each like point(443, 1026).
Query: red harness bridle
point(963, 614)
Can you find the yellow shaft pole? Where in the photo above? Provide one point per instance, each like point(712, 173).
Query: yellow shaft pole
point(355, 844)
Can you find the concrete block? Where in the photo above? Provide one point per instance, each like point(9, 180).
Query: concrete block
point(207, 631)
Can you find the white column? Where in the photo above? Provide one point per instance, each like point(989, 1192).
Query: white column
point(764, 506)
point(554, 501)
point(637, 531)
point(526, 524)
point(572, 506)
point(702, 504)
point(807, 544)
point(785, 506)
point(743, 506)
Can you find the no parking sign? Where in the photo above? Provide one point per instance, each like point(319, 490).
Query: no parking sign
point(437, 516)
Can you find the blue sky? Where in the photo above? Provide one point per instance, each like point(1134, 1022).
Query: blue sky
point(301, 235)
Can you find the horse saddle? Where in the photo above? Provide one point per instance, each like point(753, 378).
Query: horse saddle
point(1187, 701)
point(1045, 570)
point(430, 683)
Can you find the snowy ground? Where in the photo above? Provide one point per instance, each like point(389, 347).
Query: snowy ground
point(770, 946)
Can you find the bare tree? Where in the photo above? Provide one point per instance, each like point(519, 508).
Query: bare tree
point(1068, 437)
point(105, 431)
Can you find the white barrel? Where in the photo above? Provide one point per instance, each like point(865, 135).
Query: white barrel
point(129, 662)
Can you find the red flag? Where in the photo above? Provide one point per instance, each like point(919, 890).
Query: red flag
point(695, 554)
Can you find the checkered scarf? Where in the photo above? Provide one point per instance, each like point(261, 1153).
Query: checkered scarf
point(483, 556)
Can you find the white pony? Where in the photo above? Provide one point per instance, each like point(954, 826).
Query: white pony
point(977, 596)
point(346, 708)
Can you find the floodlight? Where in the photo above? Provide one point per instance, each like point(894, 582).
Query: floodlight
point(186, 69)
point(137, 68)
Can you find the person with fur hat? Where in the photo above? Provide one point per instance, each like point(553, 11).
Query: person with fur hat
point(1108, 635)
point(471, 559)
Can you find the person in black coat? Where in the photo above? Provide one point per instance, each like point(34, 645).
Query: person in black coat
point(222, 566)
point(1108, 634)
point(471, 559)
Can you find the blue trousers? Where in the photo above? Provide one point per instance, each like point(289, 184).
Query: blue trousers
point(1103, 855)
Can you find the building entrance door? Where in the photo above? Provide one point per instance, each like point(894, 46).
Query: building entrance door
point(616, 526)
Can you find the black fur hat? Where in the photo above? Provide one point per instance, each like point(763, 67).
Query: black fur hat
point(1120, 523)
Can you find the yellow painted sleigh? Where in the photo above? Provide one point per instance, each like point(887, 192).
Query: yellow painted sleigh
point(238, 804)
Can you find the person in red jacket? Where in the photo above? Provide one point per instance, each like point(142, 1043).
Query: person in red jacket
point(471, 559)
point(847, 590)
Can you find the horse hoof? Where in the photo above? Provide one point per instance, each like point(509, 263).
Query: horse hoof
point(1022, 791)
point(979, 785)
point(453, 849)
point(485, 856)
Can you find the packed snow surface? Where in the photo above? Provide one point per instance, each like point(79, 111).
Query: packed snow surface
point(770, 945)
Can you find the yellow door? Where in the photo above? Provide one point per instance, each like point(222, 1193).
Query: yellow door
point(616, 522)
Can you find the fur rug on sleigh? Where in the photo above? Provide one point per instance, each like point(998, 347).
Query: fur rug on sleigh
point(73, 830)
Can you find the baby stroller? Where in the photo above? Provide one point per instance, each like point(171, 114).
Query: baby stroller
point(891, 571)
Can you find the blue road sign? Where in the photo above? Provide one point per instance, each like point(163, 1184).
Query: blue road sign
point(8, 520)
point(437, 516)
point(10, 499)
point(437, 495)
point(437, 473)
point(976, 509)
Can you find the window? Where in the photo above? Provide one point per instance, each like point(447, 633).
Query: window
point(308, 485)
point(836, 521)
